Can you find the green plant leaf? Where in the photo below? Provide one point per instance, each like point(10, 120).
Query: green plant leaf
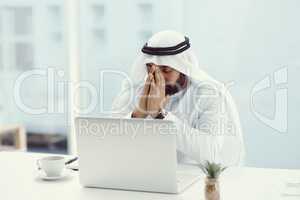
point(212, 170)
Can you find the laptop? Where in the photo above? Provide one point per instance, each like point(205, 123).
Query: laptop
point(129, 154)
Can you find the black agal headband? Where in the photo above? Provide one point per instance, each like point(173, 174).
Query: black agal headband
point(166, 51)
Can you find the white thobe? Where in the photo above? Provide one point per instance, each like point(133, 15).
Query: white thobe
point(208, 126)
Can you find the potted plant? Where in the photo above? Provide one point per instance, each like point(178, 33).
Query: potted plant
point(212, 172)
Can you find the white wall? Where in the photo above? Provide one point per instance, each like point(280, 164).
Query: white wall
point(245, 41)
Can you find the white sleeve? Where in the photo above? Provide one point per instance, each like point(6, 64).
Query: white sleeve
point(203, 143)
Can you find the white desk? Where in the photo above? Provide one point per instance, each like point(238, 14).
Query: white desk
point(18, 181)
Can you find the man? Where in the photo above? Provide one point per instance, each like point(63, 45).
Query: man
point(167, 83)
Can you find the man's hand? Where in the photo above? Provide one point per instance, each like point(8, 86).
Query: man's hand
point(141, 110)
point(156, 99)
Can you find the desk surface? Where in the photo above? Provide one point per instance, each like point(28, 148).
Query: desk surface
point(18, 180)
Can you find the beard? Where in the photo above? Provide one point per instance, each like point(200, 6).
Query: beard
point(171, 89)
point(180, 84)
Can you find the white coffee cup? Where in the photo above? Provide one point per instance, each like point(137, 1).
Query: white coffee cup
point(53, 166)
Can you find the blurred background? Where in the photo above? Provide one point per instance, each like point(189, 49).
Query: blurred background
point(253, 45)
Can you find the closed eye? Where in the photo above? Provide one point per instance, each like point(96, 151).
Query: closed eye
point(165, 69)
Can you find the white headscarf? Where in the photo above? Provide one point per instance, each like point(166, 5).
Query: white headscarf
point(185, 62)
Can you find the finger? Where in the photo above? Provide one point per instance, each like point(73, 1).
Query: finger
point(150, 67)
point(148, 83)
point(162, 79)
point(153, 89)
point(152, 84)
point(150, 78)
point(157, 76)
point(150, 90)
point(156, 91)
point(161, 82)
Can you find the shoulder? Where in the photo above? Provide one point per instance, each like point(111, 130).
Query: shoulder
point(208, 88)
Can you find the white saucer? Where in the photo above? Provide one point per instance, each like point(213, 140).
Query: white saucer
point(42, 175)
